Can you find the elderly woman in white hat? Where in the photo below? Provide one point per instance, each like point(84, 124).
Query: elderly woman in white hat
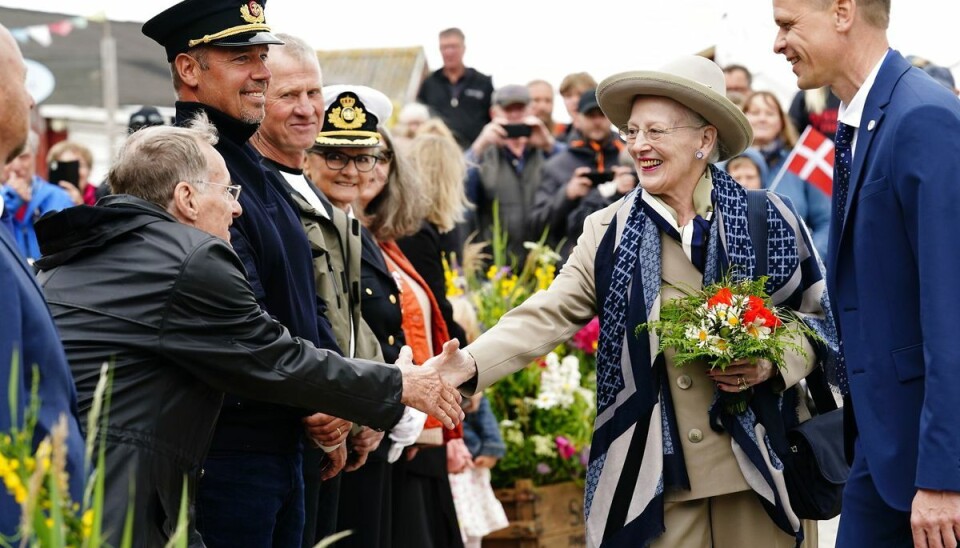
point(668, 466)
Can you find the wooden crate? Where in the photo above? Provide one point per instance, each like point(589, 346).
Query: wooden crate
point(540, 517)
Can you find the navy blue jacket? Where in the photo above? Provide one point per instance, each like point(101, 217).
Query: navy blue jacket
point(275, 253)
point(27, 329)
point(892, 277)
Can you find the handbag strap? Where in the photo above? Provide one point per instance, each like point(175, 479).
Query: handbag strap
point(757, 226)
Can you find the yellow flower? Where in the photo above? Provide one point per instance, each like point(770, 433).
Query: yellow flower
point(86, 522)
point(507, 285)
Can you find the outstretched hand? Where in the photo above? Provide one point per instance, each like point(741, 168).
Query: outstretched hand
point(426, 389)
point(454, 365)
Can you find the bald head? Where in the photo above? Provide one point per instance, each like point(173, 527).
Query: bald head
point(15, 102)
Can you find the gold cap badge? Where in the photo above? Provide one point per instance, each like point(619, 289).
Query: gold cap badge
point(347, 115)
point(252, 12)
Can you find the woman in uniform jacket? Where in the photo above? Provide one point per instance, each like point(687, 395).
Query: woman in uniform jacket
point(393, 204)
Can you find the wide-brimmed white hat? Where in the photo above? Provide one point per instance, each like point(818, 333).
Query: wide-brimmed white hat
point(693, 81)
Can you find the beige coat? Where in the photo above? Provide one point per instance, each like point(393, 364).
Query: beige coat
point(551, 317)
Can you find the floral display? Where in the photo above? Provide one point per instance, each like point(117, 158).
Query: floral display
point(546, 410)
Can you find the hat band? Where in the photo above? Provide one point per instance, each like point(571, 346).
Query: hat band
point(336, 138)
point(232, 31)
point(348, 133)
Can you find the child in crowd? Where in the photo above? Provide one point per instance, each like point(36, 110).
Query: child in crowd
point(478, 510)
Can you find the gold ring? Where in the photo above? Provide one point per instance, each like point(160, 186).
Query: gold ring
point(339, 433)
point(742, 383)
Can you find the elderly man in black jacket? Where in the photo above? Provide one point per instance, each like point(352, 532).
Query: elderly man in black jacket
point(251, 494)
point(164, 299)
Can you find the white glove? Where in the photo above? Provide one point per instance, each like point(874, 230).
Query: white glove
point(406, 431)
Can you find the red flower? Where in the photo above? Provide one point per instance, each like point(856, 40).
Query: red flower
point(724, 296)
point(586, 338)
point(754, 303)
point(770, 319)
point(750, 315)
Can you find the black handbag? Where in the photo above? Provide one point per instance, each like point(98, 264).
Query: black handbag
point(816, 469)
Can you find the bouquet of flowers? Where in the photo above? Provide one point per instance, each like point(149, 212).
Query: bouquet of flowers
point(725, 322)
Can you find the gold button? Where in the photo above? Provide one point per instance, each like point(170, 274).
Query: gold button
point(390, 340)
point(695, 435)
point(684, 382)
point(369, 291)
point(393, 299)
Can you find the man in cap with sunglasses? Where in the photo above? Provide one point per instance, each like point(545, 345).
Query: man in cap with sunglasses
point(252, 491)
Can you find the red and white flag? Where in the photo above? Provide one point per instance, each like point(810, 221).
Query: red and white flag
point(811, 160)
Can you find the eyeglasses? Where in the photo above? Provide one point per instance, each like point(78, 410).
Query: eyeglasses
point(629, 134)
point(339, 160)
point(386, 156)
point(231, 190)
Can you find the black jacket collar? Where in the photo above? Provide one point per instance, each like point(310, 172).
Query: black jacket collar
point(228, 127)
point(71, 232)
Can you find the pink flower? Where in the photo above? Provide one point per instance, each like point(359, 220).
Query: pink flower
point(586, 338)
point(565, 448)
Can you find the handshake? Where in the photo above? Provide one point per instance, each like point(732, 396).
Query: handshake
point(432, 387)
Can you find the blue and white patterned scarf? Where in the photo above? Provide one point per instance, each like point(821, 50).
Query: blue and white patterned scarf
point(634, 457)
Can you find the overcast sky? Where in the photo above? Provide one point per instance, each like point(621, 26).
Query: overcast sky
point(519, 40)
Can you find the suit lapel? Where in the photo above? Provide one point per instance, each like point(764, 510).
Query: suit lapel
point(894, 66)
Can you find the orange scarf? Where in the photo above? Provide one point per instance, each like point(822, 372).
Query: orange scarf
point(414, 330)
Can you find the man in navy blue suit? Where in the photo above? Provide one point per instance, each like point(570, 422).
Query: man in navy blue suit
point(896, 190)
point(26, 329)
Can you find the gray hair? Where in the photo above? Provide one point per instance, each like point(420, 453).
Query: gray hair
point(199, 53)
point(153, 160)
point(718, 148)
point(296, 48)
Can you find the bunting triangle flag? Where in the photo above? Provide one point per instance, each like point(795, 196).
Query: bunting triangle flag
point(40, 34)
point(20, 35)
point(61, 28)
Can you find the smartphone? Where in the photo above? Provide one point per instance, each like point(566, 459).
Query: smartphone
point(65, 171)
point(518, 130)
point(599, 177)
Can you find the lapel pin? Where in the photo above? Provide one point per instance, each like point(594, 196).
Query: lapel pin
point(872, 124)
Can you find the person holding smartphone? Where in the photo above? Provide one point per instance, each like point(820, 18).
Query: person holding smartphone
point(70, 164)
point(586, 176)
point(28, 197)
point(506, 161)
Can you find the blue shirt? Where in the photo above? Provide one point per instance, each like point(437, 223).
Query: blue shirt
point(46, 197)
